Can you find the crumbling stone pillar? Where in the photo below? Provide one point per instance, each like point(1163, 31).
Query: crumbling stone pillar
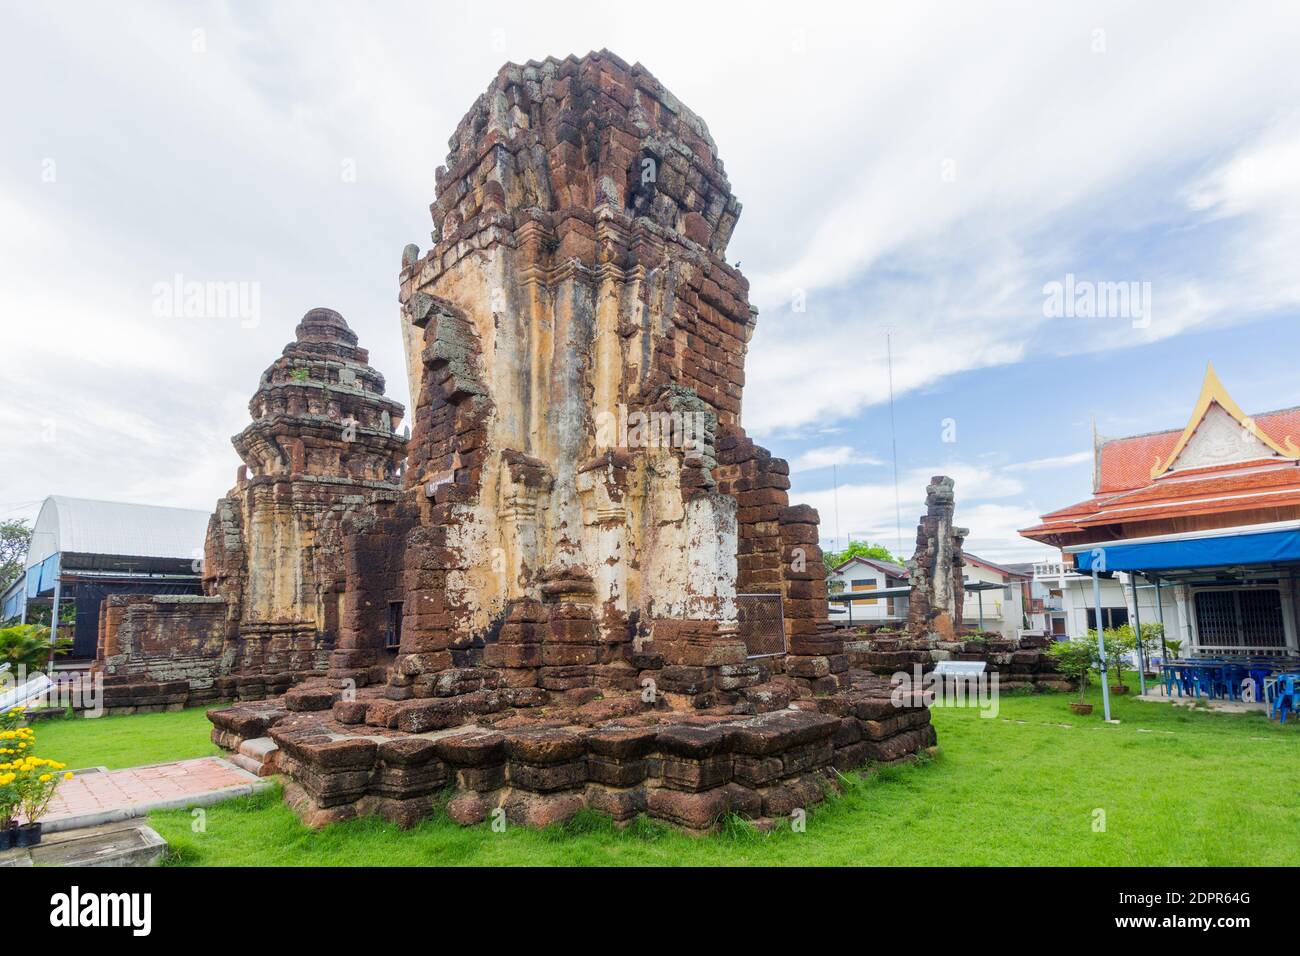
point(935, 606)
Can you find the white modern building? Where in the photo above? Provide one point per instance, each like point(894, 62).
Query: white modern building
point(1000, 608)
point(864, 575)
point(1062, 604)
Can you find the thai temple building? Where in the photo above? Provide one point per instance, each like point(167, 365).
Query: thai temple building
point(1208, 516)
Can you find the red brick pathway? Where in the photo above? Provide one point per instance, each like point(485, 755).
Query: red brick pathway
point(141, 787)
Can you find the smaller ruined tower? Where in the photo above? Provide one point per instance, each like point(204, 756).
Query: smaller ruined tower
point(322, 447)
point(320, 412)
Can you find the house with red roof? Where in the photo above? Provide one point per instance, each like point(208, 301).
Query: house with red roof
point(1206, 516)
point(865, 575)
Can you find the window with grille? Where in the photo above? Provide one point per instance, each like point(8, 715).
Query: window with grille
point(762, 624)
point(393, 633)
point(863, 584)
point(1245, 618)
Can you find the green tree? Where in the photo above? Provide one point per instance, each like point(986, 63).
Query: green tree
point(15, 537)
point(858, 549)
point(1076, 659)
point(1152, 645)
point(1120, 642)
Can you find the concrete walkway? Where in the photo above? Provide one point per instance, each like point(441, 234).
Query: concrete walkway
point(1155, 695)
point(97, 796)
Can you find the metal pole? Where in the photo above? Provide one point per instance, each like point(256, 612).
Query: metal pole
point(1137, 629)
point(1160, 616)
point(1101, 640)
point(54, 624)
point(980, 596)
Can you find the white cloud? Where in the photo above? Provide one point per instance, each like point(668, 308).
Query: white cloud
point(1045, 464)
point(1053, 146)
point(815, 458)
point(865, 511)
point(994, 532)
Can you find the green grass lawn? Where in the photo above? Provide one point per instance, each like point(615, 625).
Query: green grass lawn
point(116, 742)
point(1176, 787)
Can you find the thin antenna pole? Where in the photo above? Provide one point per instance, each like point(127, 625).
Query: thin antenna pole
point(835, 484)
point(893, 438)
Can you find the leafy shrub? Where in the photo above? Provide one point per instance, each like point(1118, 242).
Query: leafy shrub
point(27, 648)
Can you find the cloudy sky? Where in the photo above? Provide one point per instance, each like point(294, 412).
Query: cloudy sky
point(917, 173)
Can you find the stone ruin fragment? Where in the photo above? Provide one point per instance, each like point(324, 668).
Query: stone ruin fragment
point(935, 630)
point(935, 605)
point(543, 598)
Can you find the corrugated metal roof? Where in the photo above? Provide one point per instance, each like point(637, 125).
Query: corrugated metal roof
point(85, 526)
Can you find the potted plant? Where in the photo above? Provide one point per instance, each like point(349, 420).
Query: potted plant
point(1074, 659)
point(1118, 643)
point(27, 782)
point(8, 803)
point(36, 781)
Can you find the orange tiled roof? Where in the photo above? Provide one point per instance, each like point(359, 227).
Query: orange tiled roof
point(1125, 463)
point(1135, 478)
point(1208, 491)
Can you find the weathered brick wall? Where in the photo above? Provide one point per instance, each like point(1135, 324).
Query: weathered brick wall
point(372, 579)
point(779, 550)
point(161, 648)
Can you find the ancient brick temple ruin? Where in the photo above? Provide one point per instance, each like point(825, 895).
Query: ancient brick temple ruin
point(934, 630)
point(321, 461)
point(550, 606)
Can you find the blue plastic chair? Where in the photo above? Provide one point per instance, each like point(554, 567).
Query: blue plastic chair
point(1283, 697)
point(1259, 673)
point(1221, 685)
point(1169, 672)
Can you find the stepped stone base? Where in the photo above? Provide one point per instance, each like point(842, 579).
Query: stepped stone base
point(532, 757)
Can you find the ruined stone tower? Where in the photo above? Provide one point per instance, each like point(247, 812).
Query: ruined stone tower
point(322, 445)
point(578, 504)
point(576, 344)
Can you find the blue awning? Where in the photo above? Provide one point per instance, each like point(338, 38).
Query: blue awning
point(41, 577)
point(49, 572)
point(1267, 547)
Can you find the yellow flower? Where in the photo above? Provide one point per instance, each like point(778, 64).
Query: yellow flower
point(68, 775)
point(45, 778)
